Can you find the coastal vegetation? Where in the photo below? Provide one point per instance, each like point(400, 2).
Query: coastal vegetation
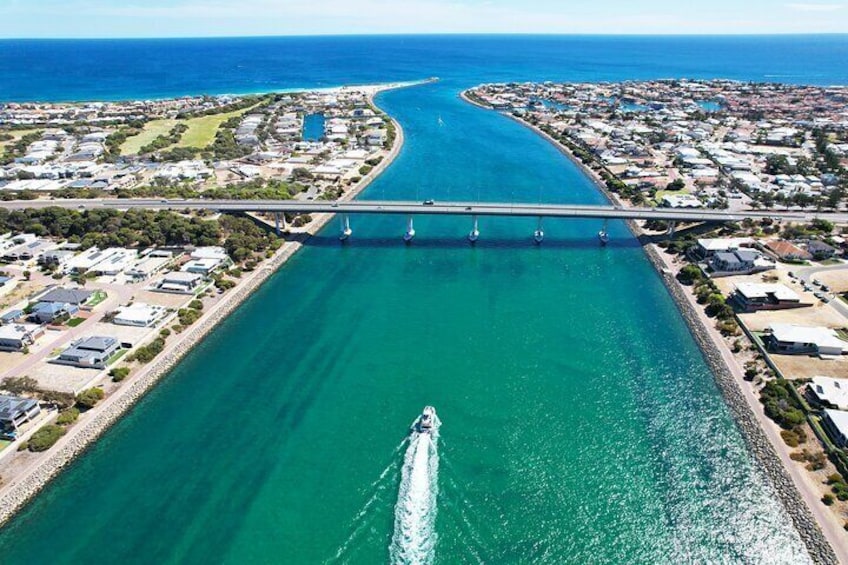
point(45, 437)
point(242, 238)
point(88, 398)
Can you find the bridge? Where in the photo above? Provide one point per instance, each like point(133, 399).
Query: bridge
point(428, 207)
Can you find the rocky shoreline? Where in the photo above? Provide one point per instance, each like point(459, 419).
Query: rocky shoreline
point(15, 495)
point(758, 443)
point(811, 534)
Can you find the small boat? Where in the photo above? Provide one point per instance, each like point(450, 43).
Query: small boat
point(407, 237)
point(426, 421)
point(603, 237)
point(473, 235)
point(538, 236)
point(345, 234)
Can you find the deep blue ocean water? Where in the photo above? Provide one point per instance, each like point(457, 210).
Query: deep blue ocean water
point(580, 423)
point(150, 68)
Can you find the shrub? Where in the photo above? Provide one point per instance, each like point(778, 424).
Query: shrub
point(89, 398)
point(44, 438)
point(689, 274)
point(164, 332)
point(187, 316)
point(146, 353)
point(196, 305)
point(68, 416)
point(19, 385)
point(23, 446)
point(790, 437)
point(119, 373)
point(828, 499)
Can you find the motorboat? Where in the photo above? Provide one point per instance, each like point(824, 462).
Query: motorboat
point(425, 423)
point(603, 237)
point(538, 236)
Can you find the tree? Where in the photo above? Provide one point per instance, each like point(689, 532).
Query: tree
point(676, 184)
point(689, 274)
point(87, 399)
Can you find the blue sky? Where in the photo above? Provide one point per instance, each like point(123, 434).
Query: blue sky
point(177, 18)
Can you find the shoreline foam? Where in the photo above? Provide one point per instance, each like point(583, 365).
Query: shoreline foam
point(17, 493)
point(810, 529)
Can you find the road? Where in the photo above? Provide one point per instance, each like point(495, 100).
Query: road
point(413, 208)
point(809, 273)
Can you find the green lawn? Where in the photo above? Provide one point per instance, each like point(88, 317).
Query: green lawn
point(114, 358)
point(201, 131)
point(74, 322)
point(98, 297)
point(16, 135)
point(4, 443)
point(151, 131)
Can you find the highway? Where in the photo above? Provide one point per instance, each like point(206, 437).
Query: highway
point(416, 208)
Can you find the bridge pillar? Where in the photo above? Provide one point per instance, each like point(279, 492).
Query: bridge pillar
point(278, 221)
point(671, 227)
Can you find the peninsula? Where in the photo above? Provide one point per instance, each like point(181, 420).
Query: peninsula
point(767, 302)
point(97, 305)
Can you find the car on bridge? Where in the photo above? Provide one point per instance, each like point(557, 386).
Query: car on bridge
point(428, 202)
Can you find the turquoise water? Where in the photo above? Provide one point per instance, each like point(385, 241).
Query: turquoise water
point(313, 127)
point(579, 421)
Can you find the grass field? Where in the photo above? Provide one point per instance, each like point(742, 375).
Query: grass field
point(74, 322)
point(151, 131)
point(16, 135)
point(201, 131)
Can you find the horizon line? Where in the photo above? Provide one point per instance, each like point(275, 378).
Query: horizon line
point(428, 34)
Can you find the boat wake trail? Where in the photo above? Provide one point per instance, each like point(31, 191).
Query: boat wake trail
point(414, 538)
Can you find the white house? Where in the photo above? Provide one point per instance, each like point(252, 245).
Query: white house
point(791, 339)
point(830, 391)
point(836, 424)
point(138, 314)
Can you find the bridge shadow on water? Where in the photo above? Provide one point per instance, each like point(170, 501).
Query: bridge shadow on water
point(443, 242)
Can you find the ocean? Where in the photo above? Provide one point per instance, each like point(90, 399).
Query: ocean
point(579, 422)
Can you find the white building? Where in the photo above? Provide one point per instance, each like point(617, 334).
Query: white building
point(830, 391)
point(179, 282)
point(836, 424)
point(791, 339)
point(138, 314)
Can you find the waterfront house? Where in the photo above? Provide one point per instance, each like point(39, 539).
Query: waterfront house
point(758, 296)
point(820, 250)
point(179, 282)
point(16, 337)
point(89, 353)
point(139, 315)
point(201, 266)
point(836, 424)
point(790, 339)
point(16, 411)
point(786, 251)
point(832, 393)
point(707, 247)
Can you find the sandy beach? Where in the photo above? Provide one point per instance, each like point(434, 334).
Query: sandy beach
point(819, 528)
point(92, 424)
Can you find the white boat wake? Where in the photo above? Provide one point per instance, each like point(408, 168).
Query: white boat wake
point(414, 538)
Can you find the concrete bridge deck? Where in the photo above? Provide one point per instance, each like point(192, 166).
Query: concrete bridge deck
point(435, 208)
